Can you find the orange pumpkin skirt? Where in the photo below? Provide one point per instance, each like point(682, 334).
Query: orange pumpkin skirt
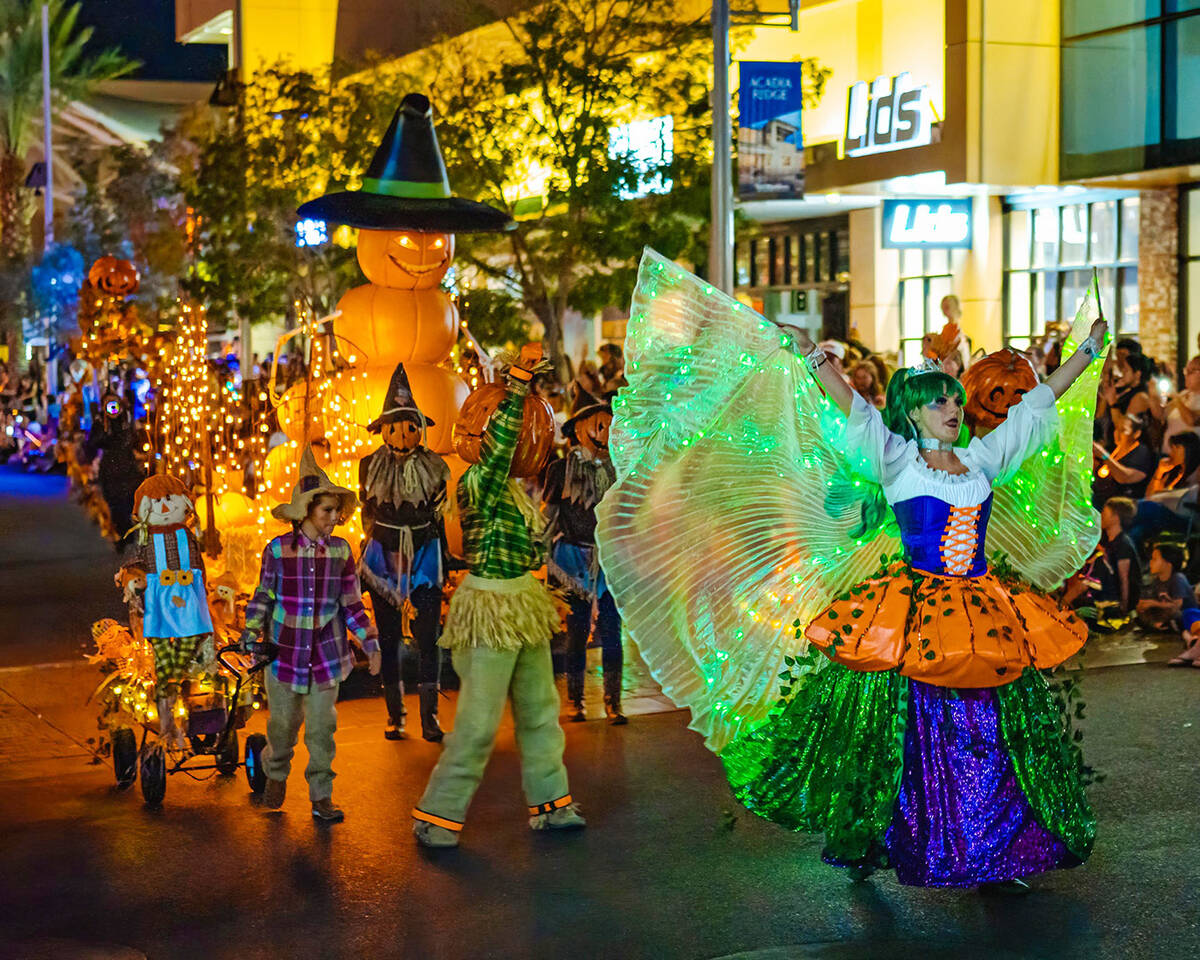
point(944, 630)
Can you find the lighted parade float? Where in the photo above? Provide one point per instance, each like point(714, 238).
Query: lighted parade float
point(407, 219)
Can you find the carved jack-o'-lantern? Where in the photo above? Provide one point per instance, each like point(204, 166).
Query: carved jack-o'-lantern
point(405, 259)
point(114, 277)
point(402, 435)
point(537, 429)
point(591, 431)
point(994, 384)
point(411, 326)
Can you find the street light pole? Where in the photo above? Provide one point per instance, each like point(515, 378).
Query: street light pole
point(720, 251)
point(47, 136)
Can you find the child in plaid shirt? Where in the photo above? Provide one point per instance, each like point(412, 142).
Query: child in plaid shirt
point(307, 599)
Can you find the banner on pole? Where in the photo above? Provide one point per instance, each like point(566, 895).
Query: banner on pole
point(770, 137)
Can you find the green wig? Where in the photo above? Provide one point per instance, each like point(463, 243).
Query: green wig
point(908, 390)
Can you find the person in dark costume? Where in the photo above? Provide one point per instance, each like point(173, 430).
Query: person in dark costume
point(574, 485)
point(402, 486)
point(120, 472)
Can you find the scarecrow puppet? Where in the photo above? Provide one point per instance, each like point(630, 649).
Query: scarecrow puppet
point(574, 485)
point(402, 486)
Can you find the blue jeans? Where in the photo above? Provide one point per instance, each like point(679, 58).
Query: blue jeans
point(608, 632)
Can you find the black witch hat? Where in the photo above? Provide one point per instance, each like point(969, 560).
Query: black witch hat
point(585, 406)
point(399, 403)
point(406, 187)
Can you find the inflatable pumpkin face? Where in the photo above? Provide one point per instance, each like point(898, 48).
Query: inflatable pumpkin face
point(994, 384)
point(115, 277)
point(405, 259)
point(537, 429)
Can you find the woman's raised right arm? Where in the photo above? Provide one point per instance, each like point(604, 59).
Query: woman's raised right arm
point(836, 387)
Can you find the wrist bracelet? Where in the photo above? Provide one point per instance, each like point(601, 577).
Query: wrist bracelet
point(1090, 346)
point(814, 358)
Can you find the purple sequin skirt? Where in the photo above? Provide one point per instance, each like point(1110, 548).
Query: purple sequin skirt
point(961, 818)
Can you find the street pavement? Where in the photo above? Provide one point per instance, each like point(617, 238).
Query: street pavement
point(669, 867)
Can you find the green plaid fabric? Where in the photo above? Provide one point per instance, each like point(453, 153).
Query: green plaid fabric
point(496, 538)
point(171, 658)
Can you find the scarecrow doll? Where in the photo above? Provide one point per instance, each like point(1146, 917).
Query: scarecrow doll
point(574, 485)
point(306, 602)
point(501, 619)
point(402, 486)
point(175, 616)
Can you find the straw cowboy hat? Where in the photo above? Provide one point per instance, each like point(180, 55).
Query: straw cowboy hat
point(312, 483)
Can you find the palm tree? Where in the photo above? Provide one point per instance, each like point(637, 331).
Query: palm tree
point(72, 76)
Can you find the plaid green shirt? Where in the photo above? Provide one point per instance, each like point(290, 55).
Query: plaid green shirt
point(496, 537)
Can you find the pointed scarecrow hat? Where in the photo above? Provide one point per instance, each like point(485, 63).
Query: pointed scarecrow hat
point(312, 483)
point(585, 406)
point(406, 187)
point(399, 404)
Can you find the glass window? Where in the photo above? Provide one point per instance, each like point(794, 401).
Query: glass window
point(1193, 306)
point(843, 251)
point(1183, 48)
point(742, 264)
point(1112, 94)
point(1018, 304)
point(1074, 286)
point(1193, 222)
point(775, 261)
point(911, 263)
point(1045, 301)
point(912, 309)
point(1018, 239)
point(810, 257)
point(1045, 237)
point(938, 287)
point(1084, 16)
point(1130, 304)
point(1131, 214)
point(1073, 238)
point(1104, 232)
point(823, 265)
point(937, 261)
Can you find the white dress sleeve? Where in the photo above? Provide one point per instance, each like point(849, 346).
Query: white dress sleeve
point(1030, 425)
point(875, 450)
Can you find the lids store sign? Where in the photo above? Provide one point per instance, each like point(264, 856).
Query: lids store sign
point(887, 115)
point(927, 224)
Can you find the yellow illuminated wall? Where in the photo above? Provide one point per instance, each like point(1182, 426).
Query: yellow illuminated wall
point(857, 40)
point(297, 32)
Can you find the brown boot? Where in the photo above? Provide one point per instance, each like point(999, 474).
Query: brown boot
point(273, 794)
point(575, 697)
point(325, 812)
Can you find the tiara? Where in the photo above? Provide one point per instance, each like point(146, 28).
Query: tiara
point(927, 365)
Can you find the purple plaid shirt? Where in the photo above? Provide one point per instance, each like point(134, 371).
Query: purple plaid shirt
point(308, 591)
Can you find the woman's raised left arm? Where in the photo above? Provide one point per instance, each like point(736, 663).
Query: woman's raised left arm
point(1062, 378)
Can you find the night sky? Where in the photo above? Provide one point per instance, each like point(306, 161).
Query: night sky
point(145, 30)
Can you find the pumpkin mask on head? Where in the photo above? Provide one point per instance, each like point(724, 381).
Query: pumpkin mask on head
point(994, 384)
point(402, 435)
point(588, 426)
point(537, 429)
point(113, 276)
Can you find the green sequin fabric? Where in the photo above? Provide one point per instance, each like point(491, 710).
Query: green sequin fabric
point(828, 760)
point(1048, 768)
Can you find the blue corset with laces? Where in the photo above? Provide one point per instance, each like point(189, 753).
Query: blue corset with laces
point(943, 539)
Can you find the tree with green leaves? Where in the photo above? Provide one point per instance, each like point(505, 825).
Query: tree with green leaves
point(73, 74)
point(569, 95)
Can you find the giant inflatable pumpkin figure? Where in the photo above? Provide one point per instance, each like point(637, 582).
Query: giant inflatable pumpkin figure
point(994, 384)
point(537, 429)
point(407, 219)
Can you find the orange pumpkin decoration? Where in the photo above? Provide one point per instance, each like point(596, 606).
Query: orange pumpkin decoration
point(291, 408)
point(410, 326)
point(537, 429)
point(114, 277)
point(359, 398)
point(994, 384)
point(405, 259)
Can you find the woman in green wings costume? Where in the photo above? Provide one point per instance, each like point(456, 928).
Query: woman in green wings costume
point(808, 576)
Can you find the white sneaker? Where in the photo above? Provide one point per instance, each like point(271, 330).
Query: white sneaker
point(564, 818)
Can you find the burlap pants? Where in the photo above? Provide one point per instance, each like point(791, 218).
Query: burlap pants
point(317, 711)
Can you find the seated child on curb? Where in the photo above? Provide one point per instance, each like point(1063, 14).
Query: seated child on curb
point(1191, 641)
point(307, 599)
point(1168, 593)
point(1118, 569)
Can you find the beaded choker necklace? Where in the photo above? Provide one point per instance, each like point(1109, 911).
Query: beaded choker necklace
point(929, 443)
